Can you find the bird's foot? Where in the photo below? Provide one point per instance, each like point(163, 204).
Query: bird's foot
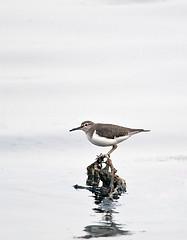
point(107, 156)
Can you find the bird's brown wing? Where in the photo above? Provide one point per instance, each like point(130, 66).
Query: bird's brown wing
point(112, 131)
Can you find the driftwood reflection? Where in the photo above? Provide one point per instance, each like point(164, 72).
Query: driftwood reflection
point(107, 226)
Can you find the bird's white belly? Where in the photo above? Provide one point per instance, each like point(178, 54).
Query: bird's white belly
point(103, 141)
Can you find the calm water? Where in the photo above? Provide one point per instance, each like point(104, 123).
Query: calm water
point(38, 199)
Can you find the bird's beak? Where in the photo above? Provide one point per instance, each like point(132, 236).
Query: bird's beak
point(78, 128)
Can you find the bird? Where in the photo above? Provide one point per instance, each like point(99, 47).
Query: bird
point(104, 135)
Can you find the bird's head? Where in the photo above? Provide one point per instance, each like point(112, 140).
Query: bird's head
point(85, 126)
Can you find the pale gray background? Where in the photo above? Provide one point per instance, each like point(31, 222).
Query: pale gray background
point(63, 62)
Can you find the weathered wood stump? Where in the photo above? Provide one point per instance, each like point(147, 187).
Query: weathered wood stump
point(102, 179)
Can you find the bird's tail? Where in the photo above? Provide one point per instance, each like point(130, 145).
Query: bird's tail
point(134, 131)
point(143, 130)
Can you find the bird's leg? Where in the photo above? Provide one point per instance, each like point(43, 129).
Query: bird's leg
point(113, 148)
point(108, 156)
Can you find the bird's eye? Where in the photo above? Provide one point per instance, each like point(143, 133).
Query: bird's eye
point(86, 124)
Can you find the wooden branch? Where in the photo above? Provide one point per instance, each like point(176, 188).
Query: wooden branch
point(103, 172)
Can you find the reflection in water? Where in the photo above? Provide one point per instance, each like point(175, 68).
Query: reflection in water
point(107, 227)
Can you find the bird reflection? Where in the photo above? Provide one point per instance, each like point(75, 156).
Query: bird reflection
point(106, 227)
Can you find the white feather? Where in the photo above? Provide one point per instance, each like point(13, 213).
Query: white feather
point(103, 141)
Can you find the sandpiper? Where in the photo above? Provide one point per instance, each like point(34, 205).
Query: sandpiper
point(106, 134)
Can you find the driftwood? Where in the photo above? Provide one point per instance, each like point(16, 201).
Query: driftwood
point(102, 179)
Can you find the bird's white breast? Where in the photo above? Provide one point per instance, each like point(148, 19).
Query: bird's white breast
point(103, 141)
